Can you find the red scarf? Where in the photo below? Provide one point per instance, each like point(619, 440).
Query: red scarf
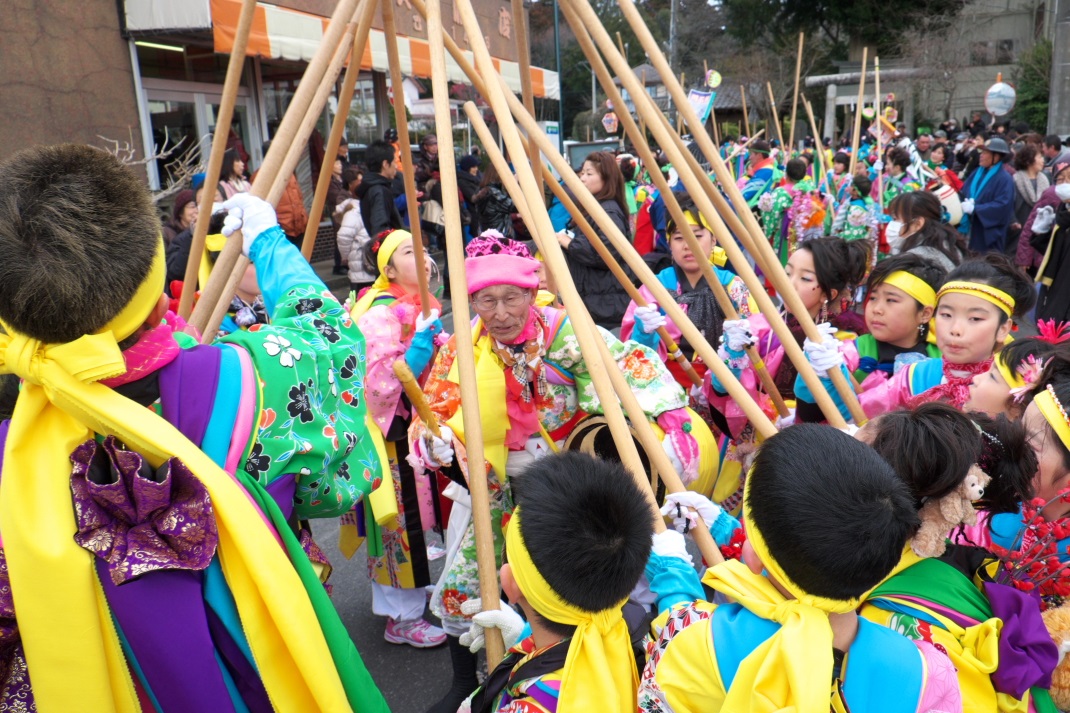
point(154, 350)
point(955, 389)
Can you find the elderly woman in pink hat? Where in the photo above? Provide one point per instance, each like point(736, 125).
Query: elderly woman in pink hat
point(533, 388)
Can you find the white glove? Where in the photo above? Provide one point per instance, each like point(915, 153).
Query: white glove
point(670, 543)
point(783, 422)
point(537, 447)
point(878, 166)
point(425, 323)
point(649, 318)
point(737, 334)
point(677, 464)
point(824, 355)
point(678, 506)
point(505, 619)
point(249, 214)
point(699, 395)
point(1045, 220)
point(967, 206)
point(442, 447)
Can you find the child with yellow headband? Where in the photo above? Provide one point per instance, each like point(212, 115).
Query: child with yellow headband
point(149, 489)
point(684, 280)
point(1015, 370)
point(389, 316)
point(975, 312)
point(580, 654)
point(791, 638)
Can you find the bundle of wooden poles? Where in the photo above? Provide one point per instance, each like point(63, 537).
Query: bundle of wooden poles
point(523, 176)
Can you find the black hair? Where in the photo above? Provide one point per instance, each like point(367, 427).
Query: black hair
point(839, 264)
point(370, 254)
point(922, 268)
point(687, 207)
point(796, 169)
point(997, 270)
point(832, 512)
point(226, 171)
point(78, 233)
point(350, 174)
point(628, 167)
point(376, 154)
point(899, 157)
point(587, 527)
point(9, 394)
point(934, 233)
point(1053, 141)
point(841, 157)
point(931, 447)
point(862, 184)
point(1007, 459)
point(760, 146)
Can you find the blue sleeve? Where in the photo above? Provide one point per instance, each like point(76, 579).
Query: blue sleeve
point(672, 581)
point(733, 356)
point(803, 393)
point(280, 266)
point(722, 529)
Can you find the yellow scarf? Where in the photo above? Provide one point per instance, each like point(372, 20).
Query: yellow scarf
point(599, 673)
point(493, 416)
point(792, 670)
point(70, 641)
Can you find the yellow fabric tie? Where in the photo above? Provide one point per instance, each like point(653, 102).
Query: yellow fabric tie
point(71, 645)
point(212, 244)
point(599, 672)
point(987, 293)
point(914, 286)
point(792, 670)
point(493, 416)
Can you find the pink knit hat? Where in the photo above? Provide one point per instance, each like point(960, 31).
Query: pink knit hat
point(494, 259)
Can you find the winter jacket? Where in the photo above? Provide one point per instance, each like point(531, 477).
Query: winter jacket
point(1026, 254)
point(293, 218)
point(600, 290)
point(993, 210)
point(468, 185)
point(1054, 270)
point(494, 209)
point(377, 208)
point(353, 240)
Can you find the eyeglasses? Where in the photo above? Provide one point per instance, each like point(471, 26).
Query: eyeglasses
point(486, 303)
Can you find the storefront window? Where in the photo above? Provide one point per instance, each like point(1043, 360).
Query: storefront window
point(174, 126)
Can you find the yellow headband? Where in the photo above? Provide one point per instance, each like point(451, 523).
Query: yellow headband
point(689, 218)
point(986, 292)
point(599, 672)
point(1054, 414)
point(390, 243)
point(914, 286)
point(1012, 377)
point(140, 306)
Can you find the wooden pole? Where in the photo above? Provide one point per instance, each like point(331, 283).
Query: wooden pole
point(293, 153)
point(776, 114)
point(405, 144)
point(746, 115)
point(286, 134)
point(589, 337)
point(416, 396)
point(523, 49)
point(334, 139)
point(880, 131)
point(671, 203)
point(740, 149)
point(795, 97)
point(820, 148)
point(857, 136)
point(466, 360)
point(215, 158)
point(776, 272)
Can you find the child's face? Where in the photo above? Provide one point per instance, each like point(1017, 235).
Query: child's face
point(402, 268)
point(800, 271)
point(989, 393)
point(1051, 474)
point(893, 316)
point(968, 328)
point(681, 253)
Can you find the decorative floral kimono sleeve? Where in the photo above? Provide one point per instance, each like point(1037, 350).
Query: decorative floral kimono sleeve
point(772, 205)
point(443, 396)
point(382, 332)
point(652, 384)
point(737, 290)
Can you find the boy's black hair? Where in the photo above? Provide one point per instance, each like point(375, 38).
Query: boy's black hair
point(833, 513)
point(587, 526)
point(1018, 352)
point(997, 270)
point(925, 270)
point(862, 184)
point(796, 169)
point(931, 447)
point(376, 153)
point(687, 207)
point(839, 264)
point(1007, 458)
point(899, 157)
point(78, 233)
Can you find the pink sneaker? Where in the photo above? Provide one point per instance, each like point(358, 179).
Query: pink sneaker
point(417, 633)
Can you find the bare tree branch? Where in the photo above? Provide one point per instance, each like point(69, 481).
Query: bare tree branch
point(178, 169)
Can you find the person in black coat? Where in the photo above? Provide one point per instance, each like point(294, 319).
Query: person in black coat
point(468, 179)
point(493, 208)
point(1051, 228)
point(604, 295)
point(375, 194)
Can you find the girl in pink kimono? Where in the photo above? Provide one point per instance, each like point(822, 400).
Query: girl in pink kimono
point(389, 316)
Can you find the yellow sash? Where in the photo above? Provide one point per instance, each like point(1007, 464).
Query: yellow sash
point(493, 416)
